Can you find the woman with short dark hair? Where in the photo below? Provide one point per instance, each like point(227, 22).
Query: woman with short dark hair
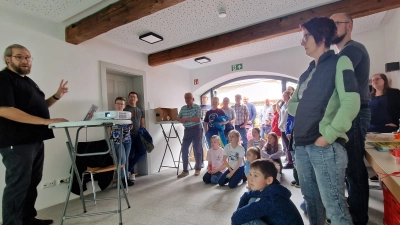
point(324, 105)
point(384, 105)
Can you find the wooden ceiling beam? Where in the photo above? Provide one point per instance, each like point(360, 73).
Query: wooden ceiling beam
point(269, 29)
point(113, 16)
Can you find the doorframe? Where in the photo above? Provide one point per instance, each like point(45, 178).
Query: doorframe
point(105, 68)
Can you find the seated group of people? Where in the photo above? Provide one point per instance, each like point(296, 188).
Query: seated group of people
point(267, 202)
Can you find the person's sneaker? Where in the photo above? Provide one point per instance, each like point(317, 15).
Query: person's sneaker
point(328, 222)
point(132, 177)
point(288, 166)
point(303, 206)
point(293, 183)
point(183, 174)
point(130, 183)
point(41, 222)
point(297, 185)
point(244, 178)
point(202, 165)
point(197, 172)
point(374, 178)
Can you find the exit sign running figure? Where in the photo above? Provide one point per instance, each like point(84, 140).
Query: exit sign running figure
point(237, 67)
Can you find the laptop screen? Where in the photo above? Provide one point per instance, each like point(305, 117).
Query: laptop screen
point(91, 112)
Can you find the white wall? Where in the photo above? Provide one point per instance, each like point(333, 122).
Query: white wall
point(55, 60)
point(290, 62)
point(392, 46)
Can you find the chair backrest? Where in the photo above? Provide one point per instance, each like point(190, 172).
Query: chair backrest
point(96, 160)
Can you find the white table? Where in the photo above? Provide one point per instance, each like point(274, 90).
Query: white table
point(73, 154)
point(382, 162)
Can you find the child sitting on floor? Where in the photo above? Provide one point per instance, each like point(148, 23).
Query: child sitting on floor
point(216, 164)
point(268, 202)
point(233, 159)
point(252, 154)
point(273, 150)
point(257, 140)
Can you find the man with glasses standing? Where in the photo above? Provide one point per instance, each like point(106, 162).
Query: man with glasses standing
point(137, 118)
point(24, 117)
point(356, 172)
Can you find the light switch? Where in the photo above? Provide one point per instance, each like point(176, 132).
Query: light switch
point(151, 105)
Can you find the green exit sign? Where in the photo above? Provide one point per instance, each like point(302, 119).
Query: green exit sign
point(237, 67)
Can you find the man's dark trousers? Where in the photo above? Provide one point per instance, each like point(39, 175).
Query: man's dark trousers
point(356, 172)
point(24, 169)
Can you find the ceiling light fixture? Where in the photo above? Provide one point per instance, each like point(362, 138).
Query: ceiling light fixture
point(222, 13)
point(151, 38)
point(202, 60)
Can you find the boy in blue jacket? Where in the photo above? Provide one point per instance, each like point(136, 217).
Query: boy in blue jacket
point(268, 202)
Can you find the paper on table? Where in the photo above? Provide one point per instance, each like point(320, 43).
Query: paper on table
point(386, 137)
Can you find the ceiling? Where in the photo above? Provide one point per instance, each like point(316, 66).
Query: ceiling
point(187, 22)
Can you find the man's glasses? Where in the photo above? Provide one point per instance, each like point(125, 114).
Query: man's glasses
point(337, 23)
point(20, 58)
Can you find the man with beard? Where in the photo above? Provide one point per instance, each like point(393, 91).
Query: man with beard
point(356, 172)
point(24, 116)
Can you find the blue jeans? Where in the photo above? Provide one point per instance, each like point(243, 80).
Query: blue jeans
point(243, 135)
point(137, 152)
point(266, 129)
point(209, 134)
point(356, 172)
point(321, 173)
point(213, 179)
point(234, 180)
point(126, 149)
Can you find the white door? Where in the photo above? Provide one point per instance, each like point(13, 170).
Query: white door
point(118, 86)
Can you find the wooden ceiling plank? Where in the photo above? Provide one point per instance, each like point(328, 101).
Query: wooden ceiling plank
point(269, 29)
point(113, 16)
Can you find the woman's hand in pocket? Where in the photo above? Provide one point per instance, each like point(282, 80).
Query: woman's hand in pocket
point(321, 142)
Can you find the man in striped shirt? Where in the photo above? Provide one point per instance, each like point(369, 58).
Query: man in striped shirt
point(190, 115)
point(242, 117)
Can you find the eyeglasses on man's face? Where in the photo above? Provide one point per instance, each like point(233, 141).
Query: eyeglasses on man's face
point(20, 58)
point(337, 23)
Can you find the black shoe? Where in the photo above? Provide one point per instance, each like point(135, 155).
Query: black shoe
point(41, 222)
point(288, 166)
point(293, 183)
point(374, 178)
point(130, 183)
point(244, 178)
point(202, 165)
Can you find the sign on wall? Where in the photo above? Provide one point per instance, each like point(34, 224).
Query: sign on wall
point(237, 67)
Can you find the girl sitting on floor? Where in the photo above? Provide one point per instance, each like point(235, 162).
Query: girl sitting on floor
point(252, 154)
point(216, 164)
point(272, 149)
point(233, 159)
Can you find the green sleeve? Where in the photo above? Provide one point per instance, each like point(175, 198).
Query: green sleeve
point(349, 101)
point(294, 102)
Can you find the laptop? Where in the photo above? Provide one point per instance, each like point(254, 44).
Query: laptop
point(90, 113)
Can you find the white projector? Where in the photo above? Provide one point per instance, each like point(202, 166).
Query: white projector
point(112, 115)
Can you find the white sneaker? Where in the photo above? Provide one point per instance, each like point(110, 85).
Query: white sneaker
point(132, 177)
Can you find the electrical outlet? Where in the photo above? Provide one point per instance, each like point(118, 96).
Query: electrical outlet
point(64, 180)
point(49, 184)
